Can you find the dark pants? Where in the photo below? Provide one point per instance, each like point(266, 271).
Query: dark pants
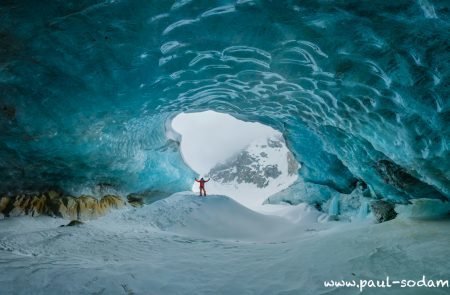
point(202, 189)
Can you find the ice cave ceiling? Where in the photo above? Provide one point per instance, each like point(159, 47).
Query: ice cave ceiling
point(359, 89)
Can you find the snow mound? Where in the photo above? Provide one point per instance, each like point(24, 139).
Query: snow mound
point(134, 250)
point(214, 216)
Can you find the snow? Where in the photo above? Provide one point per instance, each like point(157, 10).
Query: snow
point(209, 137)
point(190, 245)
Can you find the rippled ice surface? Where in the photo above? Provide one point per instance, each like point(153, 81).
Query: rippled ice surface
point(86, 89)
point(358, 89)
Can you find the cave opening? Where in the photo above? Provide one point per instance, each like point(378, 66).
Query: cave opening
point(246, 161)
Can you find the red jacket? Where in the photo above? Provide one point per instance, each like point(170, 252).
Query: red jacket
point(202, 182)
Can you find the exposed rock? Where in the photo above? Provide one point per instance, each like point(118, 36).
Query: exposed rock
point(274, 143)
point(293, 165)
point(383, 211)
point(403, 180)
point(20, 206)
point(111, 201)
point(245, 168)
point(147, 197)
point(65, 207)
point(4, 201)
point(89, 207)
point(54, 204)
point(74, 223)
point(271, 171)
point(53, 194)
point(135, 200)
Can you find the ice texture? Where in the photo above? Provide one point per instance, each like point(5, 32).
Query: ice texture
point(359, 89)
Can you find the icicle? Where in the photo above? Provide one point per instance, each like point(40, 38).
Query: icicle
point(363, 210)
point(334, 206)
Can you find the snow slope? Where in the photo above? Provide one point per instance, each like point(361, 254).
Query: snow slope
point(190, 245)
point(264, 167)
point(215, 216)
point(246, 161)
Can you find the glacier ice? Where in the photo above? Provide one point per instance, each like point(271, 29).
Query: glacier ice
point(333, 209)
point(425, 209)
point(358, 89)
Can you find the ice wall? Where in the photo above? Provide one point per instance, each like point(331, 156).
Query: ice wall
point(358, 89)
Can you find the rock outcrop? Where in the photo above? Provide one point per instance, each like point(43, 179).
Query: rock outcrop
point(383, 211)
point(73, 223)
point(259, 164)
point(135, 200)
point(55, 204)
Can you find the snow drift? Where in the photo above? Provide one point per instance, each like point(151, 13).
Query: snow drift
point(213, 216)
point(191, 245)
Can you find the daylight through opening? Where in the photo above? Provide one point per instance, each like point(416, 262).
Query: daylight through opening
point(244, 160)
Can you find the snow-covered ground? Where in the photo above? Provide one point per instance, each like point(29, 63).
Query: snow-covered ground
point(190, 245)
point(263, 168)
point(246, 161)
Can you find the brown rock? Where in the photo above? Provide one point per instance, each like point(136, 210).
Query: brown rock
point(53, 194)
point(20, 206)
point(4, 201)
point(65, 207)
point(87, 207)
point(54, 204)
point(37, 205)
point(69, 209)
point(112, 201)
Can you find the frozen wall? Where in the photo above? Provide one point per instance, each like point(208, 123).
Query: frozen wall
point(357, 88)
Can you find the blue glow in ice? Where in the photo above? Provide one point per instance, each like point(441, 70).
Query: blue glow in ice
point(359, 91)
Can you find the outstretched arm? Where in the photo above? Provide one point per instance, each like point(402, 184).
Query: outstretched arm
point(207, 180)
point(197, 180)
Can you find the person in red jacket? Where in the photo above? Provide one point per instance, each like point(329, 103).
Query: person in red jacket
point(202, 185)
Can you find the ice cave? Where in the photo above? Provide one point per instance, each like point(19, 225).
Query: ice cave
point(322, 127)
